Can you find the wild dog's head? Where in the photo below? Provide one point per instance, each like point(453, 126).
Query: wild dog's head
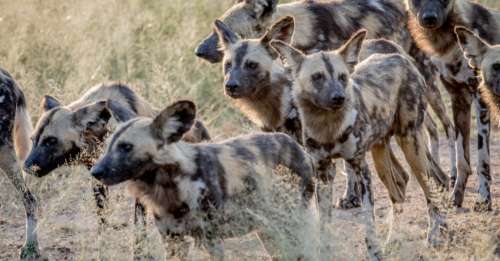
point(249, 64)
point(61, 134)
point(143, 144)
point(486, 59)
point(431, 14)
point(247, 18)
point(321, 78)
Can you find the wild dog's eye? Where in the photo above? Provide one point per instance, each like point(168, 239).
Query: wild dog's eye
point(125, 147)
point(343, 78)
point(496, 66)
point(227, 65)
point(317, 77)
point(50, 141)
point(251, 65)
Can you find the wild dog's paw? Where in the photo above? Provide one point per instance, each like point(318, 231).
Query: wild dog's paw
point(483, 206)
point(30, 252)
point(348, 203)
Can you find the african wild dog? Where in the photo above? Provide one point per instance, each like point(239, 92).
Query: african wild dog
point(186, 185)
point(15, 127)
point(432, 24)
point(257, 82)
point(74, 134)
point(486, 59)
point(254, 76)
point(348, 109)
point(326, 25)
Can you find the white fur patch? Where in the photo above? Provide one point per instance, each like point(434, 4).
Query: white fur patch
point(2, 98)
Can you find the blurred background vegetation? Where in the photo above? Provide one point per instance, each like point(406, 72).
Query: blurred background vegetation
point(64, 47)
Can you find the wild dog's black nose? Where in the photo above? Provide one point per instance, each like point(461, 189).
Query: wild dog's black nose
point(429, 19)
point(98, 172)
point(337, 100)
point(232, 85)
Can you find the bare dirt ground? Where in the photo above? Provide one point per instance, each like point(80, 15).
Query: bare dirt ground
point(68, 229)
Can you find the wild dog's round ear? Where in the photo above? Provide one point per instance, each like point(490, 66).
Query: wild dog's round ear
point(473, 47)
point(262, 8)
point(224, 32)
point(49, 103)
point(175, 120)
point(351, 49)
point(92, 115)
point(281, 30)
point(291, 56)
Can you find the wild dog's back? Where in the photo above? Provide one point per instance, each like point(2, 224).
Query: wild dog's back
point(118, 92)
point(244, 159)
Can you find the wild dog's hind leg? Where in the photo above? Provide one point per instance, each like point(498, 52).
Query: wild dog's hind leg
point(461, 103)
point(9, 164)
point(362, 171)
point(394, 177)
point(431, 178)
point(483, 202)
point(433, 132)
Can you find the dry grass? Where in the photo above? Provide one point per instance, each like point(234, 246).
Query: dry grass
point(63, 47)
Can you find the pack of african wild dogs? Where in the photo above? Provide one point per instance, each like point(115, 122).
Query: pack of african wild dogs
point(327, 82)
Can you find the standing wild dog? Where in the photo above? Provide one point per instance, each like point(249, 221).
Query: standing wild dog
point(15, 128)
point(486, 59)
point(432, 24)
point(349, 109)
point(325, 26)
point(74, 134)
point(256, 81)
point(261, 86)
point(186, 186)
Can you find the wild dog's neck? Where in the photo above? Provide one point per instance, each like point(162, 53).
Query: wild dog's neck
point(322, 125)
point(181, 154)
point(493, 102)
point(443, 41)
point(269, 106)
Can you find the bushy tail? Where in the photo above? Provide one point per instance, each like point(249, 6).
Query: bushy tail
point(22, 131)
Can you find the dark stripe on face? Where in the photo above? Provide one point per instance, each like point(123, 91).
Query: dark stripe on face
point(44, 125)
point(120, 132)
point(328, 64)
point(241, 52)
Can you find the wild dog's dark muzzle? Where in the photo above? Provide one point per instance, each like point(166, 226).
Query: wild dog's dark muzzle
point(208, 49)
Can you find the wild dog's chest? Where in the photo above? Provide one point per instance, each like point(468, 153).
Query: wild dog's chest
point(454, 69)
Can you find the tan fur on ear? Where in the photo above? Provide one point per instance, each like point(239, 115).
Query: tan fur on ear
point(472, 46)
point(174, 121)
point(288, 54)
point(281, 30)
point(351, 49)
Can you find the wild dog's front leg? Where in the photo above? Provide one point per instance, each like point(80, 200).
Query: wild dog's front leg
point(461, 104)
point(101, 199)
point(350, 198)
point(362, 171)
point(216, 249)
point(483, 202)
point(176, 247)
point(140, 232)
point(9, 164)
